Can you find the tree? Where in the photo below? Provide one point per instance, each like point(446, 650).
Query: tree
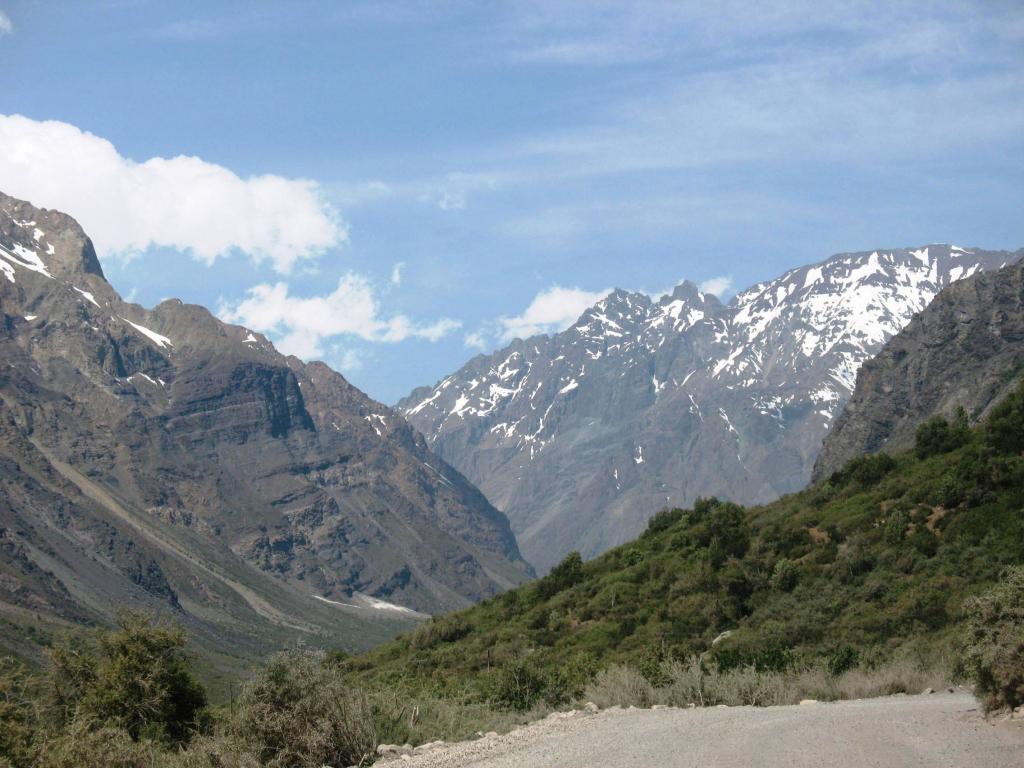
point(1004, 430)
point(137, 678)
point(937, 435)
point(562, 576)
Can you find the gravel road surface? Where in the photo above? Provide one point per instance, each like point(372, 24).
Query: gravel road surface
point(944, 729)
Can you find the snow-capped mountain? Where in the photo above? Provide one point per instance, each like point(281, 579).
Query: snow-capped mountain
point(162, 458)
point(581, 436)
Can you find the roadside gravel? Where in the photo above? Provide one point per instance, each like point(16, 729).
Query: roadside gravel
point(943, 729)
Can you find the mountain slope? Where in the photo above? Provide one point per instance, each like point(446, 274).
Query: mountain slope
point(165, 458)
point(966, 349)
point(876, 560)
point(580, 436)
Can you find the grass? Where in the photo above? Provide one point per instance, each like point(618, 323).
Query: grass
point(693, 684)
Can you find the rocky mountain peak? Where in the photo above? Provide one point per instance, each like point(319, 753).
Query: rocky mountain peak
point(581, 435)
point(965, 350)
point(265, 492)
point(689, 292)
point(47, 241)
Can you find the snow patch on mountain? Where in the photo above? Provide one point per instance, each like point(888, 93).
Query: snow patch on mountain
point(740, 393)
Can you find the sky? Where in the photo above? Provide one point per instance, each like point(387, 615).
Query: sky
point(394, 187)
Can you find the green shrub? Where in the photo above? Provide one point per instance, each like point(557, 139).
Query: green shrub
point(18, 716)
point(518, 685)
point(564, 575)
point(136, 679)
point(1004, 429)
point(896, 523)
point(785, 575)
point(88, 743)
point(727, 529)
point(865, 471)
point(842, 660)
point(937, 435)
point(299, 713)
point(440, 629)
point(949, 493)
point(770, 659)
point(993, 642)
point(663, 520)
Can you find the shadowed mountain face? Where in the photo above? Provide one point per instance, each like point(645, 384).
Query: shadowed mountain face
point(579, 437)
point(164, 458)
point(965, 350)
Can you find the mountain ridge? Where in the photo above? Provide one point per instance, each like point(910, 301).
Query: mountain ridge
point(230, 484)
point(965, 350)
point(684, 396)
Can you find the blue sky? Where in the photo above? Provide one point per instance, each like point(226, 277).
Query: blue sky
point(395, 186)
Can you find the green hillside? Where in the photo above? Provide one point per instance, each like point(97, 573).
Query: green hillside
point(874, 562)
point(856, 587)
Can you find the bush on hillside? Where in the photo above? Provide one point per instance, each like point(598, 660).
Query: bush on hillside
point(937, 435)
point(622, 686)
point(785, 575)
point(993, 642)
point(137, 679)
point(562, 576)
point(440, 629)
point(518, 685)
point(523, 684)
point(299, 713)
point(663, 520)
point(865, 471)
point(1004, 429)
point(18, 716)
point(87, 743)
point(842, 660)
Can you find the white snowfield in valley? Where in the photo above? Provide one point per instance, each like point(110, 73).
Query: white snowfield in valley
point(937, 731)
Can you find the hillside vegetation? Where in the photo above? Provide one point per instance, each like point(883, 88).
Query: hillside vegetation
point(890, 576)
point(870, 566)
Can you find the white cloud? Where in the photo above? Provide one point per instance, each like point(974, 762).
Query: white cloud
point(396, 273)
point(476, 340)
point(6, 27)
point(301, 325)
point(350, 360)
point(181, 202)
point(718, 286)
point(553, 309)
point(452, 201)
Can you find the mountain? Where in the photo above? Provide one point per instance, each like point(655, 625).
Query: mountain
point(966, 349)
point(166, 459)
point(874, 564)
point(645, 403)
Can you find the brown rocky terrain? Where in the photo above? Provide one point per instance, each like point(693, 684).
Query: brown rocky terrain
point(966, 349)
point(165, 459)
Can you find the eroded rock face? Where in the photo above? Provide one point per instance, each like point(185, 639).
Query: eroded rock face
point(164, 456)
point(581, 436)
point(965, 350)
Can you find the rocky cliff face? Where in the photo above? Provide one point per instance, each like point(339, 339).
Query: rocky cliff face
point(165, 458)
point(965, 350)
point(579, 437)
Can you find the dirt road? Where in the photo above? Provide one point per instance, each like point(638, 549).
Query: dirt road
point(895, 732)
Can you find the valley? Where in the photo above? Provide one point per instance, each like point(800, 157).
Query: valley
point(645, 403)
